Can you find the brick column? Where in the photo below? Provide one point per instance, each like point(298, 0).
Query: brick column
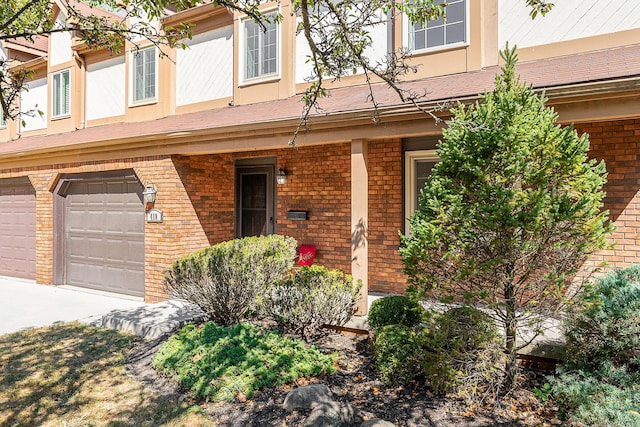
point(360, 220)
point(44, 227)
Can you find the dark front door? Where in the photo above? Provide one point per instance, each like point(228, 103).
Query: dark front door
point(254, 200)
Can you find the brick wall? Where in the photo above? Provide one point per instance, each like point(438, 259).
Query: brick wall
point(318, 181)
point(180, 232)
point(618, 144)
point(385, 216)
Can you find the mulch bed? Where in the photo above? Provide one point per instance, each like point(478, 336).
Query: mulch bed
point(356, 382)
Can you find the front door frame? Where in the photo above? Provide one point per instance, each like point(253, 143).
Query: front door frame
point(266, 166)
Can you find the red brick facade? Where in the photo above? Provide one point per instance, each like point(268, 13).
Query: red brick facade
point(196, 194)
point(618, 144)
point(385, 166)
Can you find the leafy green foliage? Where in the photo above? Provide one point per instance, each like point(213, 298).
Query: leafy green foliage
point(225, 279)
point(598, 386)
point(309, 298)
point(218, 363)
point(514, 208)
point(604, 326)
point(463, 354)
point(398, 354)
point(588, 401)
point(394, 310)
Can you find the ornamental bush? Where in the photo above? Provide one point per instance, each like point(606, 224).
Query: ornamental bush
point(309, 298)
point(219, 363)
point(394, 310)
point(587, 400)
point(398, 354)
point(463, 354)
point(225, 279)
point(598, 386)
point(604, 327)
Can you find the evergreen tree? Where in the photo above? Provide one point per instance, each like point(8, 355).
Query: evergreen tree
point(510, 213)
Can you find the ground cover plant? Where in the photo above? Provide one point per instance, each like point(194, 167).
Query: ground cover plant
point(599, 383)
point(225, 279)
point(75, 375)
point(219, 363)
point(510, 212)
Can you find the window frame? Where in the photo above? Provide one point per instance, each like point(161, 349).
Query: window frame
point(410, 187)
point(408, 37)
point(54, 101)
point(133, 102)
point(3, 120)
point(242, 52)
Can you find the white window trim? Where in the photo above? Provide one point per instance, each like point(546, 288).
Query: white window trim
point(410, 190)
point(53, 91)
point(132, 78)
point(242, 81)
point(406, 26)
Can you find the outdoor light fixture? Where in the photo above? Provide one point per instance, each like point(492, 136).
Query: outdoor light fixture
point(281, 176)
point(149, 193)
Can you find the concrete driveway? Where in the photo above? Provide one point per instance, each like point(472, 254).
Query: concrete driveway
point(23, 305)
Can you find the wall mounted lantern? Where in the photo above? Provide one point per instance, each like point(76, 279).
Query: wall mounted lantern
point(149, 193)
point(281, 176)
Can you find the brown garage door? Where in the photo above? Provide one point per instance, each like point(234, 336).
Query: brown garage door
point(17, 229)
point(104, 235)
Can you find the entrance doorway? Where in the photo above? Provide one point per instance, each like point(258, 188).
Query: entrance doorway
point(255, 200)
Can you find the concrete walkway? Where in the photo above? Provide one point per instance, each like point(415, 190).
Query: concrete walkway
point(24, 305)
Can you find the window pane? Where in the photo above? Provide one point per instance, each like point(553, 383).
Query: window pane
point(423, 170)
point(455, 12)
point(261, 49)
point(419, 37)
point(252, 43)
point(150, 74)
point(435, 37)
point(437, 23)
point(441, 32)
point(455, 33)
point(66, 98)
point(139, 77)
point(56, 95)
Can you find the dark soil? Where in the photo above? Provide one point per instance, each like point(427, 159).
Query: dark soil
point(356, 382)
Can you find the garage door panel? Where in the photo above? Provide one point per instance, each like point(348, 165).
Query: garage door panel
point(104, 231)
point(17, 229)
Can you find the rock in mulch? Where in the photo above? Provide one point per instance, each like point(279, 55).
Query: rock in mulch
point(331, 414)
point(307, 397)
point(377, 422)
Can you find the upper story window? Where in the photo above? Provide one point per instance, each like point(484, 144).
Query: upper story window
point(261, 49)
point(61, 95)
point(3, 121)
point(144, 65)
point(442, 32)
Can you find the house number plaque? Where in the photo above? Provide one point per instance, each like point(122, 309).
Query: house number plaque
point(154, 215)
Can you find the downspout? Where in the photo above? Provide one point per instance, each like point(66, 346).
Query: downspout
point(83, 110)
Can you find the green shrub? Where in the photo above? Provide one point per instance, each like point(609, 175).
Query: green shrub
point(398, 354)
point(217, 363)
point(224, 279)
point(585, 400)
point(394, 310)
point(605, 326)
point(309, 298)
point(599, 384)
point(463, 354)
